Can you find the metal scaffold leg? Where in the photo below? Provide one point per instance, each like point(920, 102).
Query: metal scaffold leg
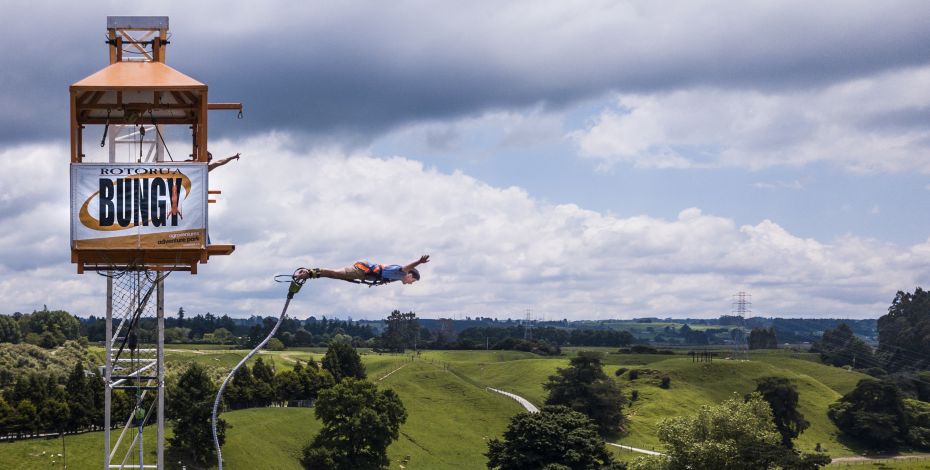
point(134, 350)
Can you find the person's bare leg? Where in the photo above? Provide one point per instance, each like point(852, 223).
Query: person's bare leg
point(335, 274)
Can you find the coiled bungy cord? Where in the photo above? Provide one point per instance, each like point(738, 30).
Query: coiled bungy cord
point(296, 283)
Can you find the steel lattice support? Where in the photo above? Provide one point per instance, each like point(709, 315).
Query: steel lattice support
point(134, 372)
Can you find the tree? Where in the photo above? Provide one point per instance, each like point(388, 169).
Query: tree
point(584, 387)
point(288, 387)
point(9, 330)
point(53, 415)
point(904, 333)
point(873, 413)
point(26, 419)
point(190, 409)
point(782, 397)
point(401, 331)
point(313, 380)
point(240, 390)
point(734, 435)
point(96, 386)
point(80, 399)
point(303, 337)
point(841, 347)
point(263, 391)
point(51, 327)
point(180, 317)
point(223, 336)
point(763, 338)
point(176, 334)
point(7, 417)
point(341, 360)
point(554, 436)
point(919, 419)
point(358, 409)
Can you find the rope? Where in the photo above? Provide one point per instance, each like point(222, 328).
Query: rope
point(219, 395)
point(158, 132)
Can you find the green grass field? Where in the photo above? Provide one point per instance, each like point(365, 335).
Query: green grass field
point(451, 415)
point(692, 384)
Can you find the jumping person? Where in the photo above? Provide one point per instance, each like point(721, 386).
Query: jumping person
point(211, 165)
point(364, 271)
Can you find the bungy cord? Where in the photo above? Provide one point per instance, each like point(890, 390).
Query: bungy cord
point(293, 289)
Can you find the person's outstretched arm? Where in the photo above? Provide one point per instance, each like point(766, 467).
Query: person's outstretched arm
point(222, 162)
point(423, 259)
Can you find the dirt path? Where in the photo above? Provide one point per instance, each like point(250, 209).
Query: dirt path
point(192, 351)
point(532, 409)
point(391, 372)
point(523, 401)
point(862, 458)
point(634, 449)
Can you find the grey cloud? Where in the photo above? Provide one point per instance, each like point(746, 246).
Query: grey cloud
point(907, 118)
point(352, 70)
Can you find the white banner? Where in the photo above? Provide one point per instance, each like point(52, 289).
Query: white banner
point(138, 206)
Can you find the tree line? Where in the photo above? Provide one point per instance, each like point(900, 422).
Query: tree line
point(344, 401)
point(891, 410)
point(45, 328)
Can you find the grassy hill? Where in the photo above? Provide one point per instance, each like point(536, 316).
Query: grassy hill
point(692, 385)
point(451, 415)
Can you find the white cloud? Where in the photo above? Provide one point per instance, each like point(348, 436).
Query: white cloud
point(496, 251)
point(793, 184)
point(873, 124)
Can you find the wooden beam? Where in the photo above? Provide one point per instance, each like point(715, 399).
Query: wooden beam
point(135, 44)
point(94, 99)
point(180, 98)
point(75, 158)
point(111, 35)
point(156, 50)
point(144, 106)
point(162, 42)
point(80, 142)
point(191, 96)
point(89, 97)
point(233, 106)
point(118, 121)
point(202, 135)
point(221, 250)
point(97, 96)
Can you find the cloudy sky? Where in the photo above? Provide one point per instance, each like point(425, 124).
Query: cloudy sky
point(605, 159)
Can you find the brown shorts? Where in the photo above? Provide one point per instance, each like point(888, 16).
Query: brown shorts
point(353, 272)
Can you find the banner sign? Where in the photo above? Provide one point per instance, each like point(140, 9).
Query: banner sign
point(148, 206)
